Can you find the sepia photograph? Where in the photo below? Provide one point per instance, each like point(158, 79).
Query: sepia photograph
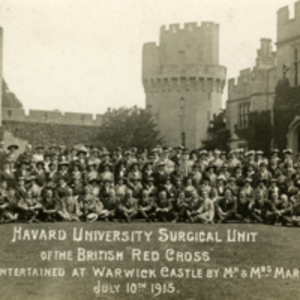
point(149, 149)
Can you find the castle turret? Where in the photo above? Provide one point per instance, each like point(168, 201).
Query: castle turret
point(288, 44)
point(1, 72)
point(183, 81)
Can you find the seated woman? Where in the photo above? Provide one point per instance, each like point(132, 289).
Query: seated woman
point(70, 210)
point(206, 212)
point(76, 172)
point(94, 187)
point(134, 174)
point(91, 206)
point(188, 186)
point(218, 191)
point(106, 174)
point(105, 190)
point(91, 173)
point(120, 187)
point(249, 190)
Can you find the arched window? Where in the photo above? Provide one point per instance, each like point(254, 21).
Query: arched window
point(181, 107)
point(183, 139)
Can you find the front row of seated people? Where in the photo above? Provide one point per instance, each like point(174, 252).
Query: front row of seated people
point(165, 205)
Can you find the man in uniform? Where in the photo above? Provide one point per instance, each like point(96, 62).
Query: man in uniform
point(146, 207)
point(128, 207)
point(226, 208)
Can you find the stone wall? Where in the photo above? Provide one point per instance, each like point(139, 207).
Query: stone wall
point(46, 134)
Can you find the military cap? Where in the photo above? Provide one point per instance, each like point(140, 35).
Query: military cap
point(203, 152)
point(221, 177)
point(161, 164)
point(13, 146)
point(232, 152)
point(251, 152)
point(288, 151)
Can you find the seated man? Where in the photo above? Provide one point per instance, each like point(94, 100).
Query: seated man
point(295, 201)
point(180, 207)
point(193, 204)
point(274, 214)
point(226, 208)
point(50, 207)
point(146, 207)
point(128, 207)
point(260, 208)
point(284, 210)
point(110, 205)
point(163, 208)
point(12, 212)
point(243, 211)
point(29, 208)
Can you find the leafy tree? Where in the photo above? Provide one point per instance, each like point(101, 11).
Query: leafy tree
point(129, 127)
point(218, 136)
point(286, 108)
point(259, 131)
point(9, 99)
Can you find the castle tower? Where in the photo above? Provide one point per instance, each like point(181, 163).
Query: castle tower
point(183, 81)
point(1, 72)
point(288, 43)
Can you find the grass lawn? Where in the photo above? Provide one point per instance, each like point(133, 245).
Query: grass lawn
point(275, 247)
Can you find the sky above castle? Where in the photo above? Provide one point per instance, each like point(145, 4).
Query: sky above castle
point(85, 56)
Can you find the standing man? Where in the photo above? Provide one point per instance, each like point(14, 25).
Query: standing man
point(2, 154)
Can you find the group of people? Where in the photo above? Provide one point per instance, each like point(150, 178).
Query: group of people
point(165, 184)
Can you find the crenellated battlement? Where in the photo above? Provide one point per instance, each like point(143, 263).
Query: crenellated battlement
point(187, 27)
point(251, 82)
point(287, 27)
point(261, 79)
point(183, 84)
point(187, 51)
point(53, 117)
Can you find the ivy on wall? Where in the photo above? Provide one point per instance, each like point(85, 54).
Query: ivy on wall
point(259, 132)
point(61, 134)
point(218, 136)
point(286, 108)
